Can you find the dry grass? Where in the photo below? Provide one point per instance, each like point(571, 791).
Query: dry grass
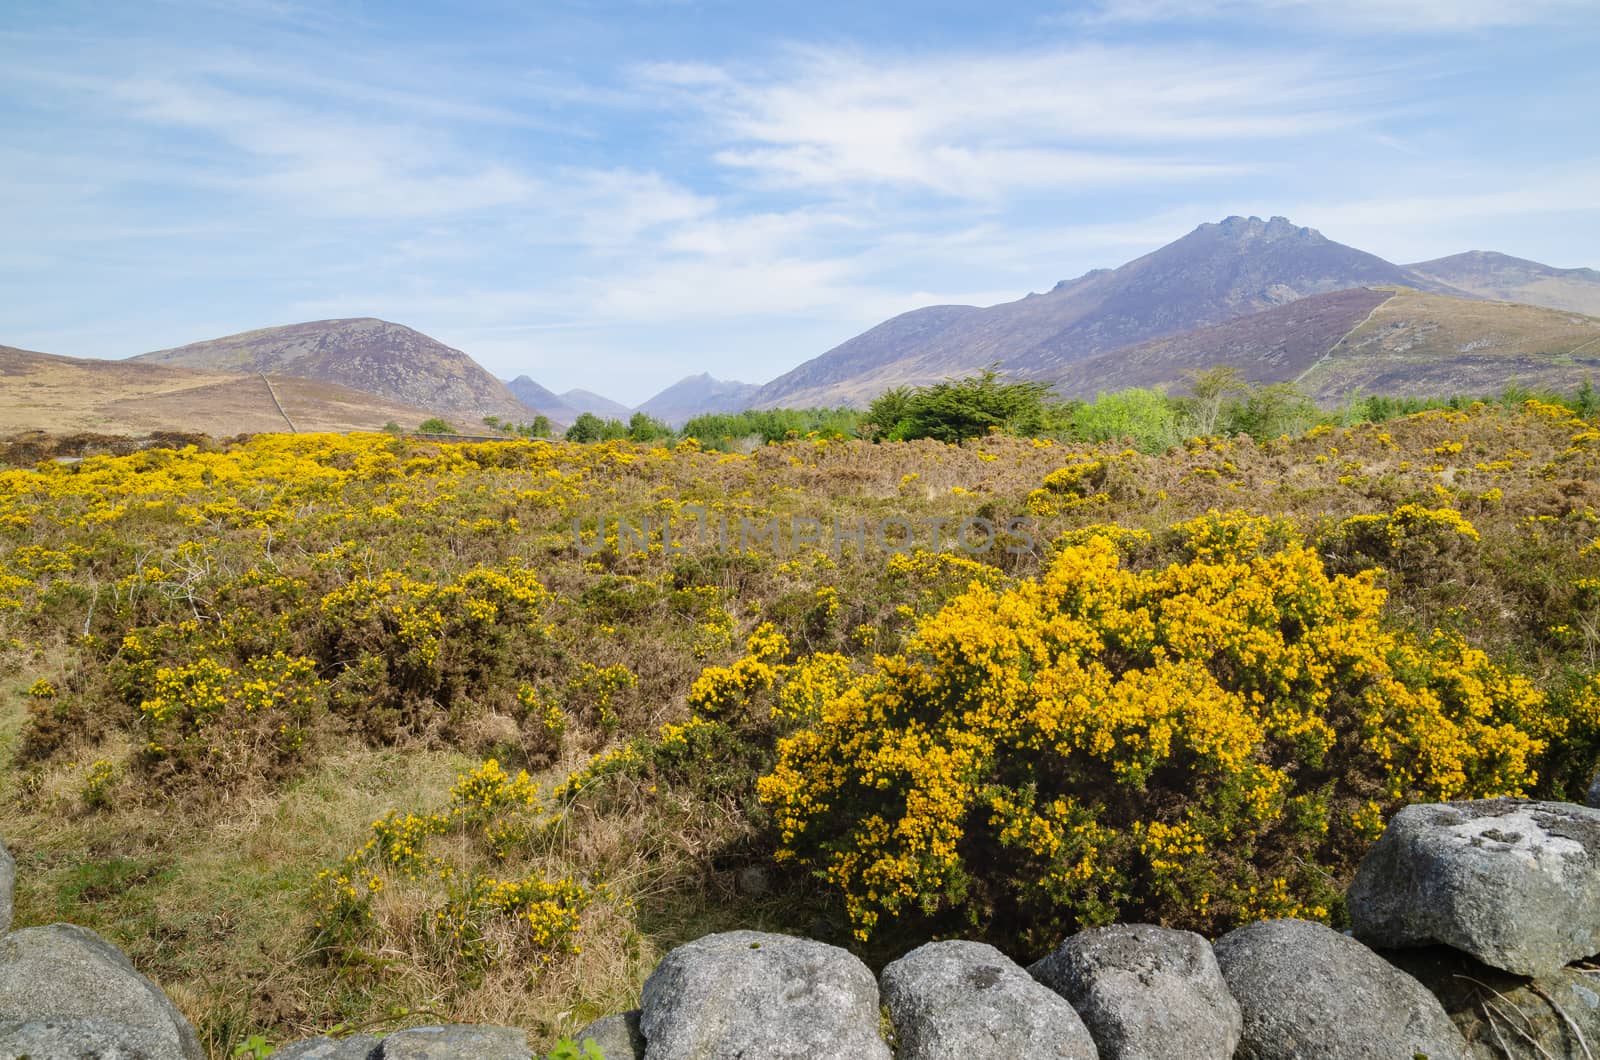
point(43, 392)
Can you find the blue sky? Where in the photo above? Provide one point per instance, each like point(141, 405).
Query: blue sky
point(614, 195)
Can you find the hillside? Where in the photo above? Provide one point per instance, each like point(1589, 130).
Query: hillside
point(41, 391)
point(857, 370)
point(374, 356)
point(1487, 274)
point(1389, 340)
point(271, 689)
point(698, 395)
point(1275, 345)
point(1418, 344)
point(1215, 273)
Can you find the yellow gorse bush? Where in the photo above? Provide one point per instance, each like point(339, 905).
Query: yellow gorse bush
point(479, 916)
point(1196, 744)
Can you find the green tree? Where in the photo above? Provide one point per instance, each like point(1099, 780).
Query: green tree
point(586, 428)
point(886, 412)
point(1279, 409)
point(1210, 390)
point(958, 409)
point(435, 425)
point(1586, 402)
point(644, 427)
point(1148, 417)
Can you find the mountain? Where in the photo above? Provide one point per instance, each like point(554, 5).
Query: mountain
point(42, 391)
point(861, 368)
point(1487, 274)
point(1418, 344)
point(1273, 346)
point(589, 401)
point(541, 399)
point(1389, 340)
point(388, 360)
point(698, 395)
point(1215, 273)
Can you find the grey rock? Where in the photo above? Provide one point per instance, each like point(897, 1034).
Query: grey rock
point(1146, 992)
point(354, 1047)
point(456, 1041)
point(1508, 1016)
point(80, 1039)
point(747, 994)
point(1593, 797)
point(1310, 993)
point(64, 972)
point(1514, 883)
point(8, 886)
point(617, 1037)
point(958, 1000)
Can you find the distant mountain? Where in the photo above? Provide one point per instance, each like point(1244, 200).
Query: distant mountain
point(373, 356)
point(698, 395)
point(1391, 340)
point(1487, 274)
point(1215, 273)
point(41, 391)
point(589, 401)
point(541, 399)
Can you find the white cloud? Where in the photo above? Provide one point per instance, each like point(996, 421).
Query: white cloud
point(980, 125)
point(322, 162)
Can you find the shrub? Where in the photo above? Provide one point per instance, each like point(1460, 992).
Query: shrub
point(643, 427)
point(435, 425)
point(410, 655)
point(1145, 416)
point(958, 409)
point(480, 916)
point(1198, 744)
point(591, 428)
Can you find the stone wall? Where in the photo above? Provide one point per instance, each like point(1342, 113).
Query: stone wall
point(1473, 926)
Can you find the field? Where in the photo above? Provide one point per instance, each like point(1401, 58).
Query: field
point(365, 731)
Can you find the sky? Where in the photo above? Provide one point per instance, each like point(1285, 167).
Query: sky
point(613, 195)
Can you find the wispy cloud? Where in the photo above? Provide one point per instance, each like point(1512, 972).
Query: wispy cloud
point(977, 125)
point(324, 163)
point(1412, 16)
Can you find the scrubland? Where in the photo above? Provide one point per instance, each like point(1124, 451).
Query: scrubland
point(357, 730)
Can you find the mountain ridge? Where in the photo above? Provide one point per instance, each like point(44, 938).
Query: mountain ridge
point(698, 395)
point(378, 357)
point(1217, 272)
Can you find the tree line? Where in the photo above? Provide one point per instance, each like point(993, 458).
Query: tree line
point(1217, 401)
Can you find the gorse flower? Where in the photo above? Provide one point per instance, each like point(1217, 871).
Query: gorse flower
point(1107, 741)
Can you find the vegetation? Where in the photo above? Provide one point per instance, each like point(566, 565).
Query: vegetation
point(589, 428)
point(539, 428)
point(350, 730)
point(758, 427)
point(435, 425)
point(1218, 401)
point(958, 409)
